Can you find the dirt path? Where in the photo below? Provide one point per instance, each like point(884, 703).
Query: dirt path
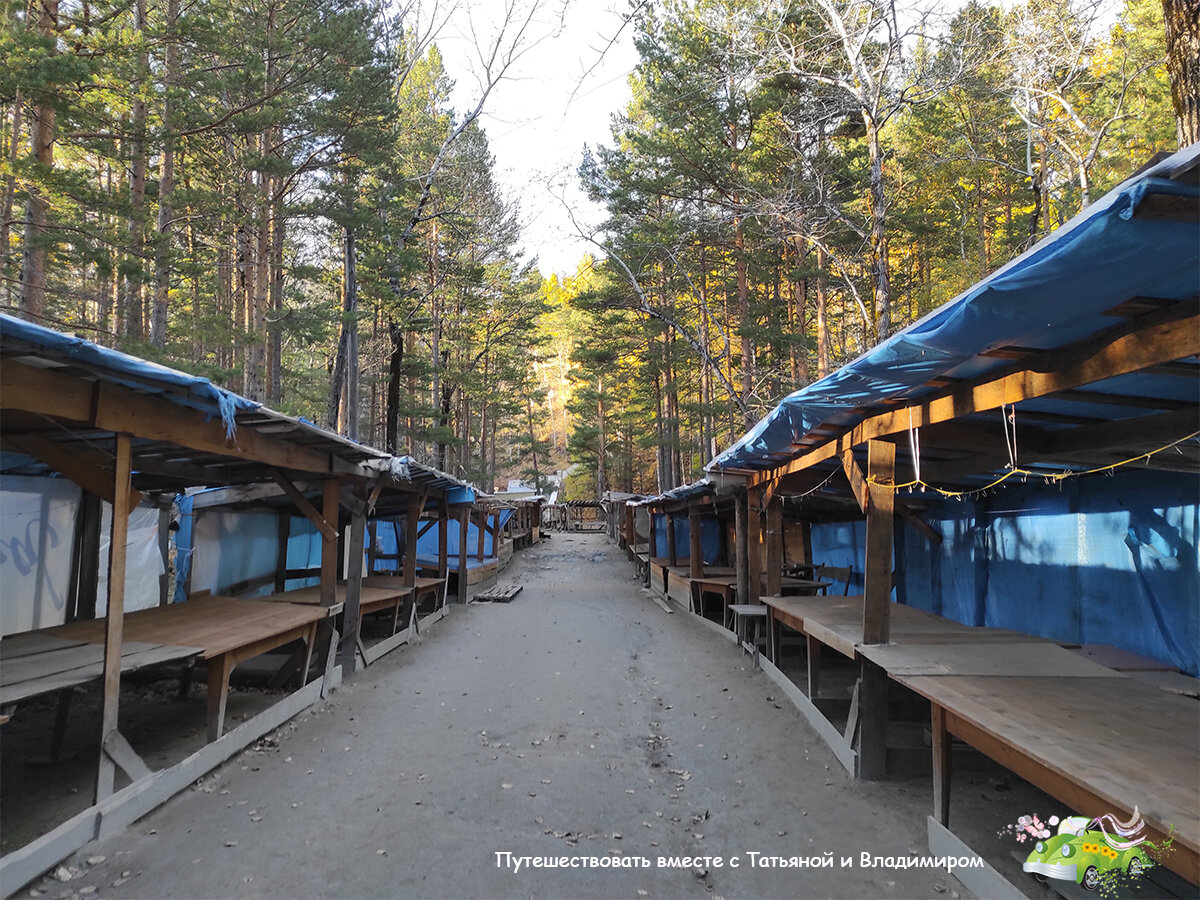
point(580, 720)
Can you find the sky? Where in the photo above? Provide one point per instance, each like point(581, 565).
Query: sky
point(559, 96)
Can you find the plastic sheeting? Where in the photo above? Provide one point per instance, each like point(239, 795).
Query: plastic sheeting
point(429, 542)
point(233, 546)
point(710, 537)
point(37, 527)
point(1103, 561)
point(143, 560)
point(37, 521)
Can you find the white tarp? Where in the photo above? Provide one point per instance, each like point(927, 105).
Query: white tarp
point(37, 525)
point(37, 522)
point(143, 560)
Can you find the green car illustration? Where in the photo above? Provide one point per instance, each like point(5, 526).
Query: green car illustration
point(1084, 857)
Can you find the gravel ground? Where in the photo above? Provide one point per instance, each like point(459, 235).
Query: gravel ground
point(580, 720)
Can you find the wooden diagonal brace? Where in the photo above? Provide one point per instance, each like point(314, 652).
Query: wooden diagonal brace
point(328, 531)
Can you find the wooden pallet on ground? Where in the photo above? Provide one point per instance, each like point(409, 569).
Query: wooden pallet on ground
point(499, 594)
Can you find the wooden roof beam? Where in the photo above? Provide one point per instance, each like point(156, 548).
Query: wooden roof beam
point(116, 409)
point(1156, 343)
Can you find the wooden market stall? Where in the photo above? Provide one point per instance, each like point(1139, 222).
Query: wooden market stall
point(1024, 461)
point(123, 433)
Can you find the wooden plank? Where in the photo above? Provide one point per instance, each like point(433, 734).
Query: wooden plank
point(387, 645)
point(844, 753)
point(695, 547)
point(115, 616)
point(63, 657)
point(858, 484)
point(120, 752)
point(411, 523)
point(982, 881)
point(1121, 660)
point(1098, 745)
point(352, 612)
point(464, 520)
point(1152, 343)
point(741, 537)
point(970, 657)
point(873, 719)
point(322, 523)
point(1175, 682)
point(940, 743)
point(774, 542)
point(877, 579)
point(329, 548)
point(31, 643)
point(113, 408)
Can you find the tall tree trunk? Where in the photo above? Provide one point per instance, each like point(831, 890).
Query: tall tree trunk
point(41, 136)
point(743, 295)
point(134, 299)
point(822, 314)
point(346, 381)
point(601, 442)
point(1182, 19)
point(166, 184)
point(10, 187)
point(537, 478)
point(881, 282)
point(391, 440)
point(275, 299)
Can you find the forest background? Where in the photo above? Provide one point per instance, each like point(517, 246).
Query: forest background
point(278, 194)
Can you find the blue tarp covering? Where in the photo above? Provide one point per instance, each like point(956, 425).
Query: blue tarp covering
point(428, 543)
point(1104, 560)
point(188, 390)
point(1054, 294)
point(710, 537)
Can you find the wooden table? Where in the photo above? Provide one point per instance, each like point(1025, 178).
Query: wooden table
point(1101, 745)
point(370, 599)
point(421, 587)
point(1096, 739)
point(837, 622)
point(229, 631)
point(35, 663)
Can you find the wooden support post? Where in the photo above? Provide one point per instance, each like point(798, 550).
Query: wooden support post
point(283, 527)
point(873, 716)
point(329, 544)
point(741, 529)
point(774, 542)
point(672, 555)
point(164, 552)
point(806, 542)
point(813, 655)
point(372, 540)
point(496, 534)
point(463, 521)
point(695, 547)
point(630, 528)
point(353, 610)
point(877, 589)
point(754, 551)
point(86, 573)
point(411, 523)
point(941, 765)
point(443, 538)
point(114, 630)
point(481, 542)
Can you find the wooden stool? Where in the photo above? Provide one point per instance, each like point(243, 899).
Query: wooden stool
point(744, 613)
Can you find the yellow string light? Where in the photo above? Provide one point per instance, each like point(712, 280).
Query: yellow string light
point(1053, 478)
